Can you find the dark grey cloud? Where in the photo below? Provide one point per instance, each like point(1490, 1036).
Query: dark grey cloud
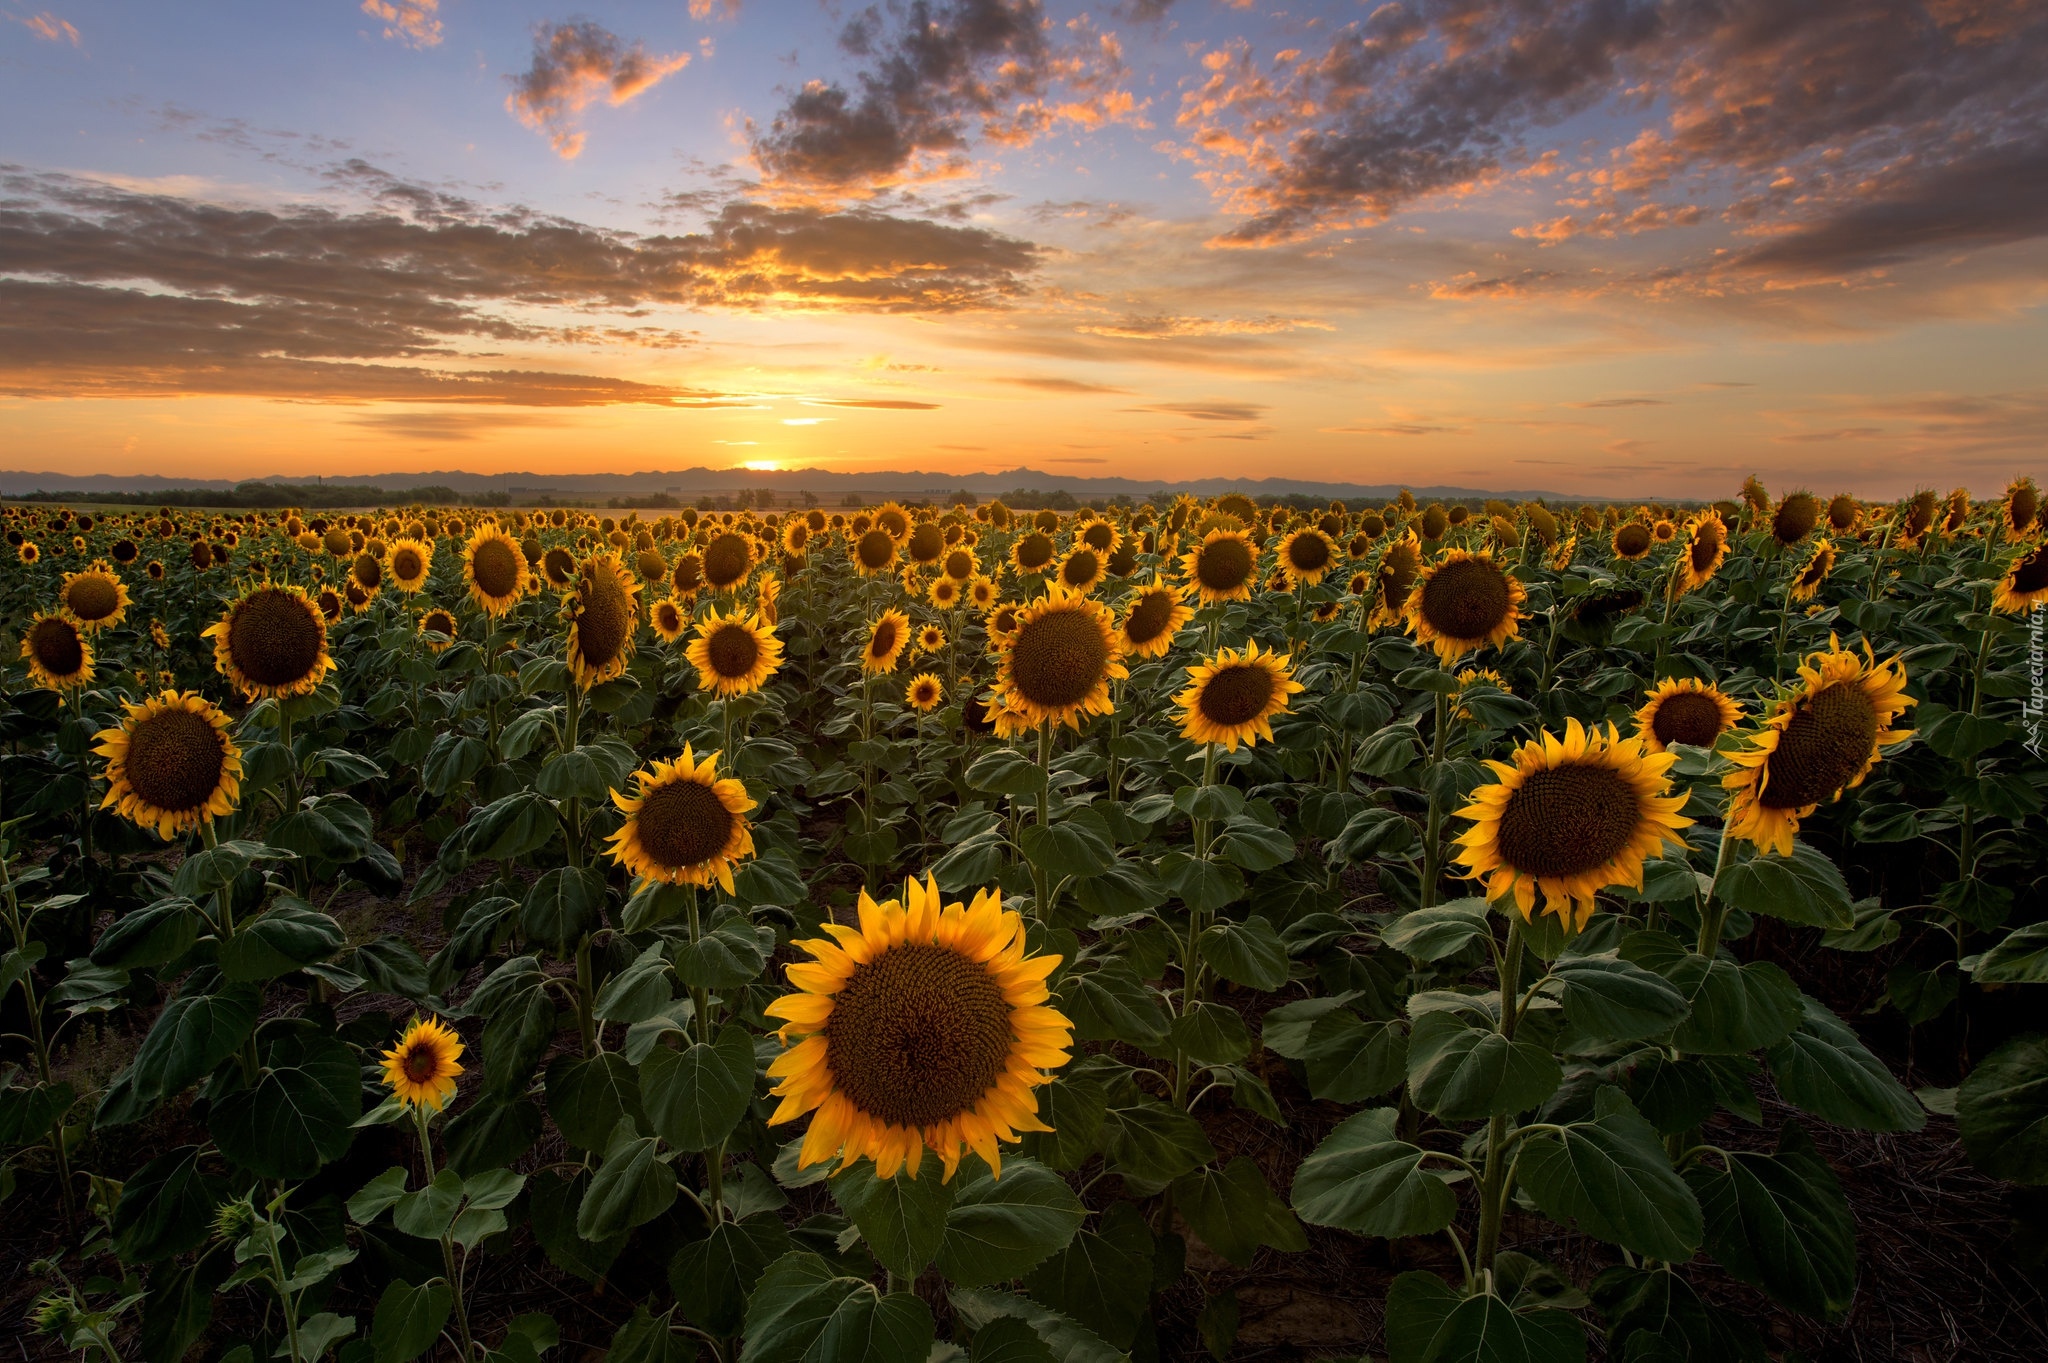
point(1840, 133)
point(100, 281)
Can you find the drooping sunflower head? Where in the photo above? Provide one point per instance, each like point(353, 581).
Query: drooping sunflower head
point(685, 825)
point(887, 638)
point(330, 603)
point(1686, 710)
point(410, 561)
point(58, 655)
point(1706, 547)
point(1795, 518)
point(1806, 583)
point(1307, 555)
point(558, 566)
point(1921, 510)
point(1232, 697)
point(1056, 666)
point(95, 598)
point(495, 567)
point(2021, 508)
point(1463, 602)
point(1569, 818)
point(358, 596)
point(924, 693)
point(924, 1028)
point(1032, 552)
point(170, 764)
point(272, 643)
point(669, 619)
point(650, 564)
point(767, 599)
point(1081, 570)
point(727, 561)
point(420, 1070)
point(336, 543)
point(1156, 613)
point(1845, 514)
point(603, 615)
point(734, 654)
point(1816, 743)
point(438, 629)
point(1223, 567)
point(1394, 580)
point(1957, 516)
point(2025, 584)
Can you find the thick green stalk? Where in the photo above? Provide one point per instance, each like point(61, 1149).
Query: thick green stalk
point(1493, 1189)
point(1432, 846)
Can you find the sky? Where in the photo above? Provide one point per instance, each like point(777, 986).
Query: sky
point(1600, 247)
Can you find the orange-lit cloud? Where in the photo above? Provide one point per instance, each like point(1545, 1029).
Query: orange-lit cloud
point(412, 22)
point(50, 28)
point(574, 65)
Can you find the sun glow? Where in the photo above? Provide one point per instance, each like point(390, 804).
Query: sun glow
point(762, 465)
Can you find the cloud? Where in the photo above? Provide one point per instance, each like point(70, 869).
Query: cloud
point(574, 65)
point(452, 425)
point(1816, 139)
point(1209, 411)
point(127, 289)
point(50, 28)
point(709, 9)
point(1829, 437)
point(1167, 327)
point(412, 22)
point(934, 74)
point(1049, 384)
point(875, 404)
point(1620, 402)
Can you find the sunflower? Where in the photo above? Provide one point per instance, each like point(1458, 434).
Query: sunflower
point(1157, 612)
point(438, 629)
point(2025, 584)
point(155, 569)
point(272, 643)
point(1056, 666)
point(170, 764)
point(1307, 555)
point(887, 638)
point(603, 615)
point(960, 564)
point(893, 521)
point(930, 639)
point(925, 1027)
point(59, 657)
point(558, 566)
point(158, 635)
point(410, 562)
point(27, 552)
point(1222, 567)
point(1081, 571)
point(1806, 585)
point(1795, 518)
point(727, 561)
point(684, 824)
point(1816, 743)
point(330, 603)
point(924, 693)
point(95, 598)
point(420, 1070)
point(767, 595)
point(1686, 710)
point(944, 593)
point(1232, 698)
point(1845, 514)
point(926, 543)
point(734, 654)
point(1394, 580)
point(495, 567)
point(874, 553)
point(1032, 552)
point(367, 572)
point(1471, 677)
point(1663, 530)
point(2021, 509)
point(1465, 601)
point(358, 596)
point(1706, 546)
point(1570, 818)
point(669, 619)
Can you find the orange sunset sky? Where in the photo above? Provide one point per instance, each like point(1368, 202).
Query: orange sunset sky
point(1596, 247)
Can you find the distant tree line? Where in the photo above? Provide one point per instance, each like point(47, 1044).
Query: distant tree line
point(259, 495)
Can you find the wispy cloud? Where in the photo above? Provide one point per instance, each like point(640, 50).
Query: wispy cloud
point(412, 22)
point(50, 28)
point(1209, 411)
point(574, 65)
point(875, 404)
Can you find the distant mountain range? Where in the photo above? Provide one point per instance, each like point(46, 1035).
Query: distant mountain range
point(693, 482)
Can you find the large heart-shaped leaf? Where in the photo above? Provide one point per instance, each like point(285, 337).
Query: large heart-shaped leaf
point(1612, 1177)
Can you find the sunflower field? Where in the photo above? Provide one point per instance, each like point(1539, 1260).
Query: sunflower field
point(900, 934)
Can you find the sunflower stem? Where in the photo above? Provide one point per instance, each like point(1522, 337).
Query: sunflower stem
point(1432, 851)
point(1039, 890)
point(1493, 1182)
point(1713, 914)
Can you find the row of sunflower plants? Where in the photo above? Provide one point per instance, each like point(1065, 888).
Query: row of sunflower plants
point(1190, 801)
